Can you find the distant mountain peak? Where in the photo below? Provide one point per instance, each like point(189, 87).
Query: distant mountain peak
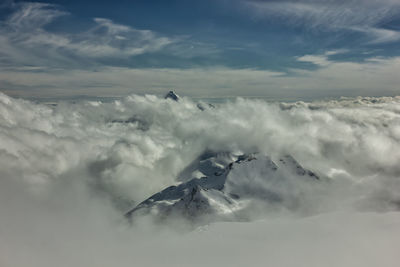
point(172, 95)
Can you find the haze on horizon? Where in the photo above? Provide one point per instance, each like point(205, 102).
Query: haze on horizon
point(279, 49)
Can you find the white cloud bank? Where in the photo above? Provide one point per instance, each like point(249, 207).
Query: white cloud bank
point(374, 77)
point(68, 172)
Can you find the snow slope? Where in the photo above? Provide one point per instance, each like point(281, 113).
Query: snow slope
point(221, 185)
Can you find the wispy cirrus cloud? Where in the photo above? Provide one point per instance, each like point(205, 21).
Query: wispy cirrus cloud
point(33, 16)
point(38, 58)
point(379, 35)
point(363, 16)
point(25, 39)
point(321, 60)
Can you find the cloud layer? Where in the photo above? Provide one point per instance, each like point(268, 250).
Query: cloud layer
point(68, 172)
point(374, 77)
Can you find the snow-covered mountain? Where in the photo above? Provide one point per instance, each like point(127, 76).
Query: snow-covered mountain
point(221, 185)
point(172, 95)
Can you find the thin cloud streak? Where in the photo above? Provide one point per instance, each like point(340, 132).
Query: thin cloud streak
point(358, 16)
point(24, 39)
point(97, 61)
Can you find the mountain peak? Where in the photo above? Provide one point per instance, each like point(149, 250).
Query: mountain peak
point(220, 185)
point(172, 95)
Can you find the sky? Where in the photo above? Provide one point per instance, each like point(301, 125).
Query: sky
point(205, 49)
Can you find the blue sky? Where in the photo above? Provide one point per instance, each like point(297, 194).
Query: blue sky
point(220, 48)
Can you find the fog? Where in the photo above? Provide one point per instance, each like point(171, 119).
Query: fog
point(70, 171)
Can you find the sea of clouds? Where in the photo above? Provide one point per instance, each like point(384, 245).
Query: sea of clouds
point(69, 172)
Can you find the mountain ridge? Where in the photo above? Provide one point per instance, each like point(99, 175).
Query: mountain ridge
point(218, 184)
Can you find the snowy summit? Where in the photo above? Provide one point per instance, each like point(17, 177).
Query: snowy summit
point(223, 186)
point(172, 95)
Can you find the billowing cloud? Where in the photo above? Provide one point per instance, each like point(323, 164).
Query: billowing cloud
point(68, 172)
point(42, 144)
